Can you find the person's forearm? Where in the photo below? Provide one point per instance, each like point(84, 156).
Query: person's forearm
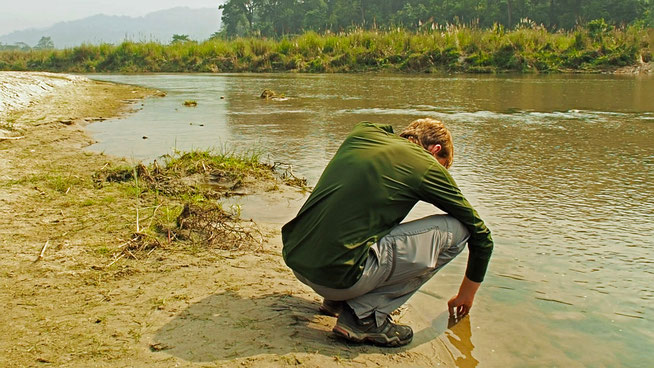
point(468, 287)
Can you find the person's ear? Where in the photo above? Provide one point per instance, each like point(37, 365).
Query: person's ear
point(435, 148)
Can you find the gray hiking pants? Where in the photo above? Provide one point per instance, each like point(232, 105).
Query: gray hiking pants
point(399, 264)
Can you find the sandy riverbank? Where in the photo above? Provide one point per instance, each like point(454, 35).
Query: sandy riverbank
point(18, 90)
point(76, 307)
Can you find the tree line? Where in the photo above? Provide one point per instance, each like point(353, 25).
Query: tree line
point(274, 18)
point(45, 43)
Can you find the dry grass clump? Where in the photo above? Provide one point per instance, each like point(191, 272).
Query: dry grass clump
point(177, 204)
point(285, 173)
point(216, 227)
point(198, 226)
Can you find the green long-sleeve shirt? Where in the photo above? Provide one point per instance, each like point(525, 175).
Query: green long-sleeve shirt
point(369, 187)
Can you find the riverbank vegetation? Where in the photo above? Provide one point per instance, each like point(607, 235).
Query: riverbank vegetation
point(528, 47)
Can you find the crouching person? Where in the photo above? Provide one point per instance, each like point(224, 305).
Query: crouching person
point(347, 241)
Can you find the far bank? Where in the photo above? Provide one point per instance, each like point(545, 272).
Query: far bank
point(595, 48)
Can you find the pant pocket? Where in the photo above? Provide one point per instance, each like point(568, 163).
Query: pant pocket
point(415, 254)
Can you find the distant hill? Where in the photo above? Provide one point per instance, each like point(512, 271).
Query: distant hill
point(160, 26)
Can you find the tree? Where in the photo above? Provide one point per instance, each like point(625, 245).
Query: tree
point(315, 17)
point(45, 43)
point(238, 17)
point(277, 18)
point(180, 38)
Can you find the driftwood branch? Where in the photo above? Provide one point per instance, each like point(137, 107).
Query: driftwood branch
point(10, 138)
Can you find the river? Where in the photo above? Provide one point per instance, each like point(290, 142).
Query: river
point(559, 166)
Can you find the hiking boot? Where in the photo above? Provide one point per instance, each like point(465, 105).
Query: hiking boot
point(331, 308)
point(352, 328)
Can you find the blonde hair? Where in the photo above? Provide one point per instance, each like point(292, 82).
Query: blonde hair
point(427, 132)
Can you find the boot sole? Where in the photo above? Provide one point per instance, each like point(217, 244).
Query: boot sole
point(375, 339)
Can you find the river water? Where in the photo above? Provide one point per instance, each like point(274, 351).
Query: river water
point(560, 167)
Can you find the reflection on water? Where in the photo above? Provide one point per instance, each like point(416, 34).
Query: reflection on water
point(560, 167)
point(459, 336)
point(454, 334)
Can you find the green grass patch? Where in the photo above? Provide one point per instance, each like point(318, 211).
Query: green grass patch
point(62, 183)
point(224, 162)
point(103, 250)
point(88, 203)
point(108, 199)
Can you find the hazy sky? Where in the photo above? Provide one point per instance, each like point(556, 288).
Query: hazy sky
point(21, 14)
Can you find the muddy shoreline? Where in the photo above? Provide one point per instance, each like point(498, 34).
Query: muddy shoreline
point(70, 303)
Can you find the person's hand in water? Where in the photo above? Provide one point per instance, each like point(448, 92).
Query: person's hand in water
point(460, 305)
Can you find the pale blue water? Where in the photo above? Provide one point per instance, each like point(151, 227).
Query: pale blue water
point(559, 167)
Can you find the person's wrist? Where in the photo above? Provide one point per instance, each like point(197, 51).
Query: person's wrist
point(468, 288)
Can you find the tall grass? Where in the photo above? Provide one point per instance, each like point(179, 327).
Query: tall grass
point(596, 47)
